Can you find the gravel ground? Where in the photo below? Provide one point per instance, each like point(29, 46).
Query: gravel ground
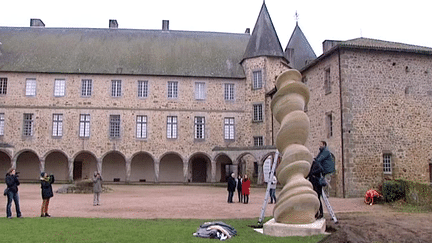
point(161, 201)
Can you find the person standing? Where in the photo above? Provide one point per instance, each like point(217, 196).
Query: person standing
point(97, 187)
point(12, 183)
point(246, 189)
point(325, 159)
point(314, 177)
point(47, 192)
point(273, 190)
point(239, 188)
point(231, 187)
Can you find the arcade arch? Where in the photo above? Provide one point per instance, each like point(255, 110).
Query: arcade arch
point(114, 167)
point(200, 166)
point(5, 164)
point(171, 168)
point(56, 163)
point(84, 165)
point(142, 168)
point(28, 165)
point(222, 167)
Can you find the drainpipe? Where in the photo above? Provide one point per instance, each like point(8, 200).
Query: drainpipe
point(341, 119)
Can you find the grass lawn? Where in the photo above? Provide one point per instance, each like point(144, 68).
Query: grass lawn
point(126, 230)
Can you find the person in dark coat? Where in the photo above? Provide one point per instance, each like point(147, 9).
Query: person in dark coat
point(231, 187)
point(325, 159)
point(47, 192)
point(12, 183)
point(314, 177)
point(239, 188)
point(246, 189)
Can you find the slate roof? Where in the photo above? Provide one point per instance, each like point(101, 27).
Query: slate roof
point(126, 51)
point(372, 44)
point(298, 50)
point(264, 40)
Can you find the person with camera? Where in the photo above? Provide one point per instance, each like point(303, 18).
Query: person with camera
point(47, 192)
point(12, 183)
point(97, 187)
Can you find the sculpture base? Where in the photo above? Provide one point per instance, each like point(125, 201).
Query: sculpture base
point(283, 230)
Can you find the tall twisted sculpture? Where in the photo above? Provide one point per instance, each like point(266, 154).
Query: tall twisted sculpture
point(297, 202)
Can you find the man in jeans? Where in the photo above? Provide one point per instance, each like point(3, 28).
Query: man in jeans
point(325, 158)
point(12, 183)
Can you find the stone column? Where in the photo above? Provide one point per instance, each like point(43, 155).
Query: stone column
point(260, 180)
point(213, 171)
point(71, 168)
point(13, 162)
point(235, 167)
point(156, 170)
point(297, 202)
point(185, 170)
point(128, 170)
point(99, 165)
point(41, 165)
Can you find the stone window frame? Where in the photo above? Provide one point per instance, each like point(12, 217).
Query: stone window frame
point(258, 141)
point(200, 90)
point(28, 124)
point(84, 125)
point(86, 87)
point(57, 125)
point(327, 81)
point(114, 126)
point(141, 126)
point(329, 126)
point(387, 160)
point(30, 87)
point(257, 80)
point(59, 87)
point(3, 85)
point(199, 128)
point(257, 115)
point(2, 123)
point(172, 89)
point(143, 88)
point(229, 128)
point(229, 91)
point(172, 127)
point(116, 88)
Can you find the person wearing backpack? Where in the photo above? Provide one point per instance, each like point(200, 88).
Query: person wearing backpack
point(325, 159)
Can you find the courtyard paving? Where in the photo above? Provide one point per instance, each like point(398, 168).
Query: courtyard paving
point(161, 201)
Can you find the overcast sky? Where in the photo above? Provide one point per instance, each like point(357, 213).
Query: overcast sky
point(399, 21)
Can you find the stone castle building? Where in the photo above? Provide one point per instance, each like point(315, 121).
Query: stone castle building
point(188, 106)
point(137, 105)
point(371, 101)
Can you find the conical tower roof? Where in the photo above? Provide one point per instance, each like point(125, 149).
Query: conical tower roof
point(264, 40)
point(298, 51)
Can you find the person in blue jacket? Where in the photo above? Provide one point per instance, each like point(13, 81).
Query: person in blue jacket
point(325, 159)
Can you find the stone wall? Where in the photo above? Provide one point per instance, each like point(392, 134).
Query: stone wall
point(386, 101)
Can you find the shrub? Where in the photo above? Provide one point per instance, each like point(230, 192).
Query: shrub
point(393, 190)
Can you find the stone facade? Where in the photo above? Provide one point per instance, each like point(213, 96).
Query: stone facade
point(157, 107)
point(380, 104)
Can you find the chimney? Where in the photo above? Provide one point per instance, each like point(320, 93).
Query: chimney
point(165, 25)
point(329, 44)
point(247, 31)
point(113, 24)
point(37, 23)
